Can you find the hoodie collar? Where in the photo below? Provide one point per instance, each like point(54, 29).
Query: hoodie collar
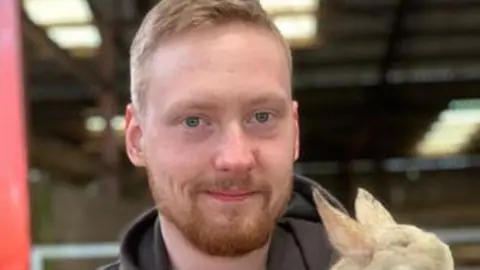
point(143, 248)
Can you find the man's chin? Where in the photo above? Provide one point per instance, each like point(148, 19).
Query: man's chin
point(230, 238)
point(222, 222)
point(236, 217)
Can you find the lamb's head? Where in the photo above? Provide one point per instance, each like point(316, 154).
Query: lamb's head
point(374, 241)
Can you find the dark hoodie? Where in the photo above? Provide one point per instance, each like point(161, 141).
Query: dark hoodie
point(299, 241)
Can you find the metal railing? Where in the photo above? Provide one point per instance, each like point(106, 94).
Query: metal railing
point(41, 253)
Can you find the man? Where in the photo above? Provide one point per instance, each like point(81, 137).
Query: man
point(213, 122)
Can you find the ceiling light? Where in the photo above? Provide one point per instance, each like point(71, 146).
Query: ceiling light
point(69, 37)
point(462, 116)
point(118, 123)
point(95, 124)
point(274, 6)
point(451, 133)
point(297, 27)
point(465, 104)
point(48, 12)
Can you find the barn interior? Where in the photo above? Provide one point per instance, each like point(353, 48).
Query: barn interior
point(389, 94)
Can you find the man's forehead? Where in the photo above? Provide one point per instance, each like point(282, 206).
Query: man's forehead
point(219, 69)
point(201, 44)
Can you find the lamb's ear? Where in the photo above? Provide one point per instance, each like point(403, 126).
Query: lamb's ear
point(345, 234)
point(370, 212)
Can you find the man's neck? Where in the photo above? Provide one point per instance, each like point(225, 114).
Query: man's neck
point(184, 256)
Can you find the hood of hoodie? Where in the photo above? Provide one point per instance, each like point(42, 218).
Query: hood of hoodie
point(142, 247)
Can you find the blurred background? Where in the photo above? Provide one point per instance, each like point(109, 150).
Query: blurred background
point(389, 94)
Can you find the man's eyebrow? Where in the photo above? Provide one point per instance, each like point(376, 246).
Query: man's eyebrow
point(200, 104)
point(191, 104)
point(270, 98)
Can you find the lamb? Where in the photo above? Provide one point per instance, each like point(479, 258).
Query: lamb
point(374, 241)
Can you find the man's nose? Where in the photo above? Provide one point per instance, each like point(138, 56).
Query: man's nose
point(235, 152)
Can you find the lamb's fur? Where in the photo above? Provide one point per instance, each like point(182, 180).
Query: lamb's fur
point(374, 241)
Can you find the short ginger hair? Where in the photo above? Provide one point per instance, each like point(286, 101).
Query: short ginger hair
point(173, 17)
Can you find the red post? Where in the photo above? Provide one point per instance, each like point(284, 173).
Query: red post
point(14, 206)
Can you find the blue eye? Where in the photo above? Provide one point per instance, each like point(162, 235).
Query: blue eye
point(192, 122)
point(262, 117)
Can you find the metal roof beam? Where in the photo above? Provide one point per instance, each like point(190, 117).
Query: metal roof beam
point(37, 35)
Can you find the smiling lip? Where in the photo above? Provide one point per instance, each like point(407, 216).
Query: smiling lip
point(229, 196)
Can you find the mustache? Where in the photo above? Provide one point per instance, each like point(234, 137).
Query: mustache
point(244, 183)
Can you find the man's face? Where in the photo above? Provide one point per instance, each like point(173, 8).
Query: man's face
point(218, 136)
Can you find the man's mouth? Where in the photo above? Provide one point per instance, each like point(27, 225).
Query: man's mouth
point(231, 196)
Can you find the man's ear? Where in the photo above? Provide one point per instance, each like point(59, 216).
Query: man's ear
point(134, 137)
point(297, 129)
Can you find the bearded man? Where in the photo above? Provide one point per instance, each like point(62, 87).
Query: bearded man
point(213, 121)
